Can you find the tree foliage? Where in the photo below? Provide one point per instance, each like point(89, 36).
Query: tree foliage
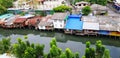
point(62, 8)
point(86, 10)
point(4, 4)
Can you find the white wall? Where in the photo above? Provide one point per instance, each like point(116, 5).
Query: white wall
point(41, 27)
point(58, 24)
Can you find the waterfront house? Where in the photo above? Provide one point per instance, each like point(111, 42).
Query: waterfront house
point(33, 22)
point(74, 25)
point(80, 5)
point(9, 22)
point(46, 23)
point(90, 28)
point(45, 26)
point(20, 22)
point(4, 17)
point(59, 20)
point(98, 9)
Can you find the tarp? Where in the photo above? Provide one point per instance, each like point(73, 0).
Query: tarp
point(75, 16)
point(114, 34)
point(103, 32)
point(74, 24)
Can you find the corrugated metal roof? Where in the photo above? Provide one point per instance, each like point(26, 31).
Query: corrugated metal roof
point(90, 25)
point(6, 16)
point(59, 16)
point(33, 20)
point(20, 20)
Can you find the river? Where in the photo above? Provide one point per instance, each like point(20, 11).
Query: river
point(75, 43)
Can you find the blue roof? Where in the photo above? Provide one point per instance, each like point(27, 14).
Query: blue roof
point(74, 24)
point(75, 16)
point(6, 16)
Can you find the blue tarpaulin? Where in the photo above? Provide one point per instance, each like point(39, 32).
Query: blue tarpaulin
point(103, 32)
point(74, 22)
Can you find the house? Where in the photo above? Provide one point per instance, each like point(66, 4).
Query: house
point(74, 25)
point(59, 20)
point(45, 26)
point(4, 17)
point(33, 22)
point(98, 9)
point(9, 22)
point(20, 21)
point(80, 5)
point(90, 28)
point(46, 23)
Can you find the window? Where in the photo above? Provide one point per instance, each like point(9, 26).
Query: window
point(60, 25)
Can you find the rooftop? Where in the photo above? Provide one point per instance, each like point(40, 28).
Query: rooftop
point(98, 7)
point(6, 16)
point(82, 2)
point(90, 26)
point(59, 16)
point(74, 23)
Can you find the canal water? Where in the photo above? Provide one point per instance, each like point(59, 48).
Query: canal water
point(75, 43)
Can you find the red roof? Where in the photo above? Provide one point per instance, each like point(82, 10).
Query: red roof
point(20, 20)
point(33, 21)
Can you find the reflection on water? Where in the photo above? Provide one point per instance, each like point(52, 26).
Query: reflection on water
point(75, 43)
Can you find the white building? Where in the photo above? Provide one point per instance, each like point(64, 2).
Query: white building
point(50, 4)
point(38, 4)
point(80, 5)
point(59, 20)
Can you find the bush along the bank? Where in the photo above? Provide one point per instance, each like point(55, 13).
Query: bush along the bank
point(5, 45)
point(23, 49)
point(100, 52)
point(56, 52)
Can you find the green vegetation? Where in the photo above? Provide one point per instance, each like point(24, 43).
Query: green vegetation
point(86, 10)
point(101, 2)
point(100, 52)
point(5, 45)
point(25, 49)
point(4, 4)
point(62, 8)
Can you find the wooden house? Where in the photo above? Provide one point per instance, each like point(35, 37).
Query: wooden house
point(33, 22)
point(46, 23)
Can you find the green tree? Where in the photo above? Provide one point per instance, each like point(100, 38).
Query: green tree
point(88, 44)
point(69, 53)
point(5, 45)
point(106, 54)
point(63, 55)
point(76, 55)
point(62, 8)
point(86, 10)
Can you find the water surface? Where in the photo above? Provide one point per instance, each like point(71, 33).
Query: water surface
point(75, 43)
